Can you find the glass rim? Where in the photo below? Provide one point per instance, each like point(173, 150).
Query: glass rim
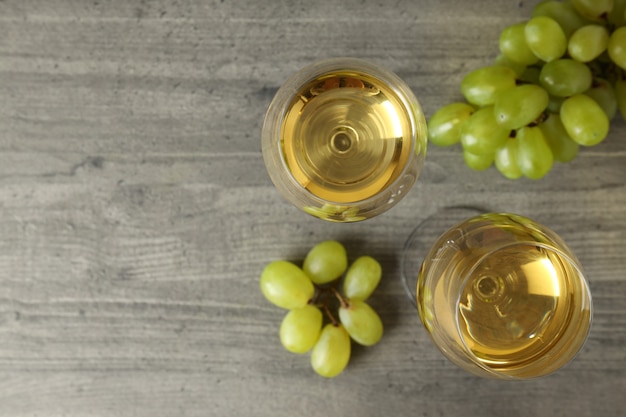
point(581, 276)
point(272, 124)
point(417, 231)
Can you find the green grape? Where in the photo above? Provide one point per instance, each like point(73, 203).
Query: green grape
point(617, 47)
point(604, 94)
point(325, 262)
point(563, 13)
point(481, 133)
point(545, 38)
point(520, 106)
point(565, 77)
point(444, 127)
point(618, 13)
point(503, 61)
point(361, 322)
point(588, 42)
point(481, 86)
point(478, 162)
point(564, 149)
point(362, 278)
point(593, 9)
point(513, 45)
point(534, 156)
point(620, 93)
point(301, 328)
point(506, 160)
point(286, 285)
point(584, 120)
point(554, 105)
point(331, 353)
point(531, 75)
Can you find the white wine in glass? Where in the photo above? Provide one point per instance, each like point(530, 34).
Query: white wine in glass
point(503, 296)
point(344, 139)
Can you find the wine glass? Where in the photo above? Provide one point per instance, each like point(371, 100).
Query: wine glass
point(344, 139)
point(500, 295)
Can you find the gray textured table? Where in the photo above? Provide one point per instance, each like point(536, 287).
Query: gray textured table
point(136, 214)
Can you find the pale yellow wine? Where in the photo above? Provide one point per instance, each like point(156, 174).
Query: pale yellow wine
point(522, 303)
point(346, 135)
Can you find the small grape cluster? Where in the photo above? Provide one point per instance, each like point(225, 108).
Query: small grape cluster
point(311, 293)
point(555, 86)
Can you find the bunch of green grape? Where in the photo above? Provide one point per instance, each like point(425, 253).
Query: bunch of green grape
point(556, 85)
point(324, 316)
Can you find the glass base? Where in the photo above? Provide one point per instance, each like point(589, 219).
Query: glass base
point(422, 239)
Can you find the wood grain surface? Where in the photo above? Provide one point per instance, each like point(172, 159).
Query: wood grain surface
point(136, 214)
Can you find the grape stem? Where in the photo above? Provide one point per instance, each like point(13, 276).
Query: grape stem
point(343, 301)
point(316, 297)
point(320, 299)
point(332, 318)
